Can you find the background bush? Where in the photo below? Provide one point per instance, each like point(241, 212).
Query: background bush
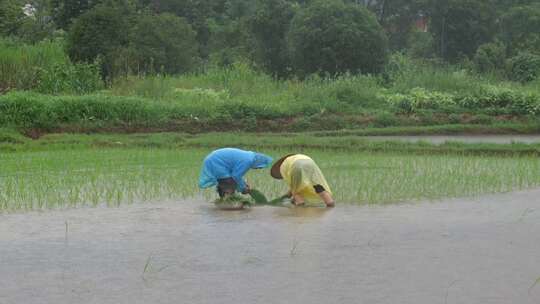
point(524, 67)
point(333, 37)
point(490, 58)
point(102, 31)
point(164, 43)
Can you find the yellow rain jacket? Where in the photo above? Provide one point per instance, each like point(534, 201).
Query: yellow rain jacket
point(301, 173)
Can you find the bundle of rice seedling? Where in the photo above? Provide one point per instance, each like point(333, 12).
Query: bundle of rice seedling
point(233, 202)
point(261, 199)
point(258, 196)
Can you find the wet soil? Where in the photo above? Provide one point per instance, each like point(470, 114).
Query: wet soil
point(483, 250)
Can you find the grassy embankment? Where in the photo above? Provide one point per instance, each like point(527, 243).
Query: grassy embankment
point(346, 141)
point(413, 94)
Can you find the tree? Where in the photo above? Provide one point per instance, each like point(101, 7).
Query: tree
point(268, 27)
point(334, 37)
point(101, 31)
point(164, 43)
point(37, 23)
point(65, 11)
point(521, 29)
point(228, 42)
point(460, 26)
point(11, 16)
point(397, 17)
point(197, 12)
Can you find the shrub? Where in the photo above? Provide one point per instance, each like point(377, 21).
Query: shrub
point(419, 98)
point(493, 99)
point(385, 119)
point(357, 91)
point(524, 67)
point(490, 57)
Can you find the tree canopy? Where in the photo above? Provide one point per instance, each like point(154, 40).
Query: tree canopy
point(282, 37)
point(334, 37)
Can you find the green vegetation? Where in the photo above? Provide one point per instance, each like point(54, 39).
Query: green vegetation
point(80, 176)
point(268, 65)
point(351, 141)
point(335, 70)
point(239, 98)
point(44, 67)
point(21, 65)
point(332, 37)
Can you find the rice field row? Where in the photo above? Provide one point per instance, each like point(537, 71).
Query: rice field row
point(92, 177)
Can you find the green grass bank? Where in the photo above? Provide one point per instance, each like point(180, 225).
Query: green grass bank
point(12, 141)
point(239, 98)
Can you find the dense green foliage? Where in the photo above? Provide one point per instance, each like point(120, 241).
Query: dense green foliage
point(102, 31)
point(65, 11)
point(44, 67)
point(11, 16)
point(460, 26)
point(524, 67)
point(282, 37)
point(239, 98)
point(490, 57)
point(269, 26)
point(332, 37)
point(236, 64)
point(164, 43)
point(521, 26)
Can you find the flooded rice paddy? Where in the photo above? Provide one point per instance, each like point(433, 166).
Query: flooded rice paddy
point(482, 250)
point(93, 177)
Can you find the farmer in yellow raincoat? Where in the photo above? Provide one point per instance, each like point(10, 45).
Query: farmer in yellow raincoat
point(304, 178)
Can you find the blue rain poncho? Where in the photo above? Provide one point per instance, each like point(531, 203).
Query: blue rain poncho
point(231, 162)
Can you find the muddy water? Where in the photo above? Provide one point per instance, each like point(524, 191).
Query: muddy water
point(461, 251)
point(439, 139)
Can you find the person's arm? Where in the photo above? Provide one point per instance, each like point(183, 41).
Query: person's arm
point(239, 170)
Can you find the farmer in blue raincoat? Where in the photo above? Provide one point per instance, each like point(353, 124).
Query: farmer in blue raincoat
point(226, 168)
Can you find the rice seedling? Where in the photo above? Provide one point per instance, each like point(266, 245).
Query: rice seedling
point(233, 202)
point(534, 285)
point(113, 176)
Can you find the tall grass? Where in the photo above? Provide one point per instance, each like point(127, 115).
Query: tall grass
point(21, 64)
point(241, 85)
point(46, 68)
